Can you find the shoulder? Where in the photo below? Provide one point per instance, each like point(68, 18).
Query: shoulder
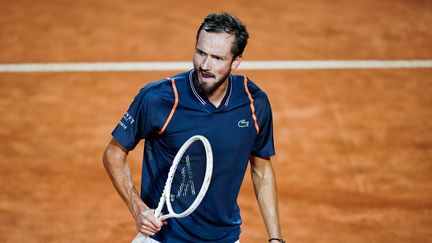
point(251, 88)
point(156, 88)
point(162, 89)
point(166, 85)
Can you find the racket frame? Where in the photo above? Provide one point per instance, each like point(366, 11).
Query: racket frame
point(165, 198)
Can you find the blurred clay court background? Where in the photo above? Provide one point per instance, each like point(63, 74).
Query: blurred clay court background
point(354, 146)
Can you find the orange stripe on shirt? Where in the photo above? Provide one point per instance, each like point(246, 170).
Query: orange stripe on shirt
point(252, 106)
point(173, 108)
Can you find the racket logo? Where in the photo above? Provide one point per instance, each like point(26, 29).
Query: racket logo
point(187, 181)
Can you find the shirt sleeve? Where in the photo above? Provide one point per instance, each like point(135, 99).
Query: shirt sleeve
point(264, 145)
point(134, 125)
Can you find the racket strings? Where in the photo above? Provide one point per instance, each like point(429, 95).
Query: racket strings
point(188, 178)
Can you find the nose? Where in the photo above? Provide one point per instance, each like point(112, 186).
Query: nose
point(205, 65)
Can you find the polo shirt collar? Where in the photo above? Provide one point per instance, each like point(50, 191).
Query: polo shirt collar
point(203, 100)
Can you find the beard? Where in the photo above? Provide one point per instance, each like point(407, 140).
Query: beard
point(204, 88)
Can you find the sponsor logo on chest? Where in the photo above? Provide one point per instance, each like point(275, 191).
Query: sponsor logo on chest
point(243, 123)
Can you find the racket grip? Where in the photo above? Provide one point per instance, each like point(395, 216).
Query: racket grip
point(139, 238)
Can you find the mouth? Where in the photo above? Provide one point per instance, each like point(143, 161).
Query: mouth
point(206, 75)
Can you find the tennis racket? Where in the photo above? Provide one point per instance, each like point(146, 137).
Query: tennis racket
point(188, 180)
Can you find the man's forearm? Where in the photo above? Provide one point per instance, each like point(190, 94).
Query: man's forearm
point(121, 177)
point(264, 182)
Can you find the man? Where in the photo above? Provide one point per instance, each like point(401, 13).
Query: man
point(234, 115)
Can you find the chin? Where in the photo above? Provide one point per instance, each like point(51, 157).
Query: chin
point(207, 81)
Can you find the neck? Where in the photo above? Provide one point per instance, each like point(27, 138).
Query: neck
point(216, 97)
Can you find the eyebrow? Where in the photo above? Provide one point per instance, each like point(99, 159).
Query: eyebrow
point(212, 55)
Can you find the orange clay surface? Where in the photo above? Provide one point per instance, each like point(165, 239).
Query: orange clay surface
point(354, 147)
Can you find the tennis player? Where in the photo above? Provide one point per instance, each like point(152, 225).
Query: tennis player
point(231, 111)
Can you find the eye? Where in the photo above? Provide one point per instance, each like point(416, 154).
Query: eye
point(217, 58)
point(199, 52)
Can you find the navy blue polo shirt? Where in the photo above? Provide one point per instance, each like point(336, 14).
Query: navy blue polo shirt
point(168, 112)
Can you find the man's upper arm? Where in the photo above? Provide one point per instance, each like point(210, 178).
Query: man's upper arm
point(115, 152)
point(116, 145)
point(258, 163)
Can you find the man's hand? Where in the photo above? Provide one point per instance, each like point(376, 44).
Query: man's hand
point(147, 224)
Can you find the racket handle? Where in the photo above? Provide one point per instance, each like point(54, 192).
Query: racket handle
point(139, 238)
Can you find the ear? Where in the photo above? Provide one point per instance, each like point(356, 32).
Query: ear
point(236, 62)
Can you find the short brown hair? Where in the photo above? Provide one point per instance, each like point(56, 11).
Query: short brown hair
point(225, 22)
